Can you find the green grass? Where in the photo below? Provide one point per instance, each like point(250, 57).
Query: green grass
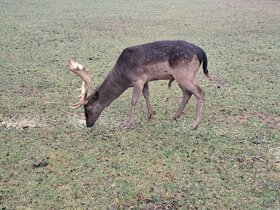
point(50, 160)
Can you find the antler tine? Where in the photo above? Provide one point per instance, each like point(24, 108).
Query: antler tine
point(84, 75)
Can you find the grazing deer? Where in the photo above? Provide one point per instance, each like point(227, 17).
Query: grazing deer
point(138, 65)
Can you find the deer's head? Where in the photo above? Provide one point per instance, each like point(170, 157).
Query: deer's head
point(91, 103)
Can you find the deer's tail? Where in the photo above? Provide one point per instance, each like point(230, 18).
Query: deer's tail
point(204, 63)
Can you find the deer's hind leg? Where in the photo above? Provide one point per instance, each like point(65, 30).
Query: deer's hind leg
point(185, 77)
point(199, 94)
point(186, 96)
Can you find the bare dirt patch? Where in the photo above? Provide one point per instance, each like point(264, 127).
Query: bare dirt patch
point(245, 116)
point(218, 80)
point(76, 120)
point(166, 201)
point(20, 123)
point(29, 91)
point(276, 155)
point(265, 118)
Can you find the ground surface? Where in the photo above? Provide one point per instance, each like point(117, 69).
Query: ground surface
point(49, 160)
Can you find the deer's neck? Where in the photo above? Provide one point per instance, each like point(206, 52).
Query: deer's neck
point(113, 86)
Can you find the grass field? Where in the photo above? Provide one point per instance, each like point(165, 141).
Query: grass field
point(50, 160)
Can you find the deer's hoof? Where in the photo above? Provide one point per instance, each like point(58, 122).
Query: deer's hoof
point(151, 115)
point(195, 126)
point(127, 125)
point(174, 117)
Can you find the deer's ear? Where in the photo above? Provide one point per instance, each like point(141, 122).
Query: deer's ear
point(96, 95)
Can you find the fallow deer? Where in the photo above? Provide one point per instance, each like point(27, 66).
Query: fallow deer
point(138, 65)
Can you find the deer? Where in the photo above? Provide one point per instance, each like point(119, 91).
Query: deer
point(173, 60)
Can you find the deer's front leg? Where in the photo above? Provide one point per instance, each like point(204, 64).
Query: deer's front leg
point(146, 95)
point(137, 89)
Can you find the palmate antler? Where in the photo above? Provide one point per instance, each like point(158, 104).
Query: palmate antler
point(84, 75)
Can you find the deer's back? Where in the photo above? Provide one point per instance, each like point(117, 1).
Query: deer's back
point(171, 52)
